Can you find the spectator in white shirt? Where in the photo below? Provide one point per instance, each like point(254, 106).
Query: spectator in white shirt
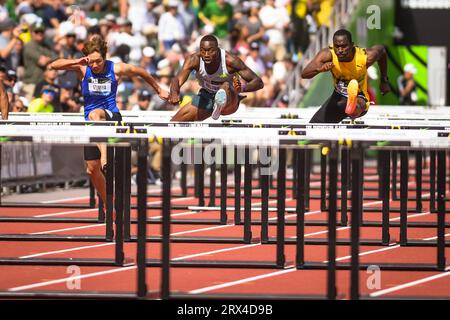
point(170, 27)
point(274, 20)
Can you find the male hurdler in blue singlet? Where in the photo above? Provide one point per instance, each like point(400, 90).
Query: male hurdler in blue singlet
point(99, 87)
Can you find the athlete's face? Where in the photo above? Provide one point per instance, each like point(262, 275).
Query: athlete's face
point(96, 62)
point(342, 47)
point(209, 51)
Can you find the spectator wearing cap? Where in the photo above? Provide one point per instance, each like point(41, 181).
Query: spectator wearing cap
point(148, 60)
point(143, 103)
point(50, 76)
point(45, 102)
point(170, 27)
point(18, 106)
point(283, 102)
point(254, 61)
point(10, 45)
point(217, 15)
point(11, 80)
point(36, 56)
point(407, 85)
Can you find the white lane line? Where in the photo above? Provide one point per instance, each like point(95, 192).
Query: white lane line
point(65, 199)
point(57, 281)
point(435, 237)
point(411, 284)
point(64, 213)
point(66, 250)
point(69, 229)
point(237, 282)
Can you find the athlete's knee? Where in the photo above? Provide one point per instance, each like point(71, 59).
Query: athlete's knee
point(96, 115)
point(225, 85)
point(93, 167)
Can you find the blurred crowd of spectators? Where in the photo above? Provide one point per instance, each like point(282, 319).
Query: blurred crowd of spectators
point(269, 36)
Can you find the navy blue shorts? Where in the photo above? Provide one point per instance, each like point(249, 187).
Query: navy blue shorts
point(205, 100)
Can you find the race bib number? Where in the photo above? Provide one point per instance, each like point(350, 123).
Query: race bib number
point(99, 86)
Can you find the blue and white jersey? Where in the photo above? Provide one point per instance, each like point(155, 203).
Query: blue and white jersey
point(99, 90)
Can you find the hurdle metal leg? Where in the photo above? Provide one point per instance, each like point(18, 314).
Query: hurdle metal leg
point(166, 211)
point(332, 215)
point(110, 156)
point(223, 187)
point(403, 197)
point(212, 183)
point(237, 186)
point(441, 210)
point(127, 194)
point(357, 159)
point(300, 206)
point(344, 184)
point(418, 160)
point(394, 154)
point(142, 218)
point(432, 181)
point(385, 178)
point(281, 198)
point(247, 197)
point(323, 182)
point(119, 201)
point(264, 185)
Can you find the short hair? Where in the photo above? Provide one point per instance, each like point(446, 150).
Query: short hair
point(95, 43)
point(343, 32)
point(210, 38)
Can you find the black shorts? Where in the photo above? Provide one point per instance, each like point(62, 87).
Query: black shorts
point(333, 110)
point(93, 152)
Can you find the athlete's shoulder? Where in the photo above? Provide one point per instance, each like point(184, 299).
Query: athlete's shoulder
point(232, 60)
point(325, 54)
point(193, 61)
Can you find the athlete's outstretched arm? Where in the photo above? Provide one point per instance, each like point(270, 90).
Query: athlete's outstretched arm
point(191, 63)
point(253, 82)
point(378, 53)
point(129, 70)
point(69, 64)
point(322, 62)
point(4, 102)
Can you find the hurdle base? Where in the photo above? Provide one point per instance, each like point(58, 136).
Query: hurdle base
point(214, 264)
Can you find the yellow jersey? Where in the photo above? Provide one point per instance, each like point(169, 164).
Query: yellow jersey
point(344, 72)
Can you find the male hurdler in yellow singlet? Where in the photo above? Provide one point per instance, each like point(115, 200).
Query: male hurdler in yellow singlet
point(348, 65)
